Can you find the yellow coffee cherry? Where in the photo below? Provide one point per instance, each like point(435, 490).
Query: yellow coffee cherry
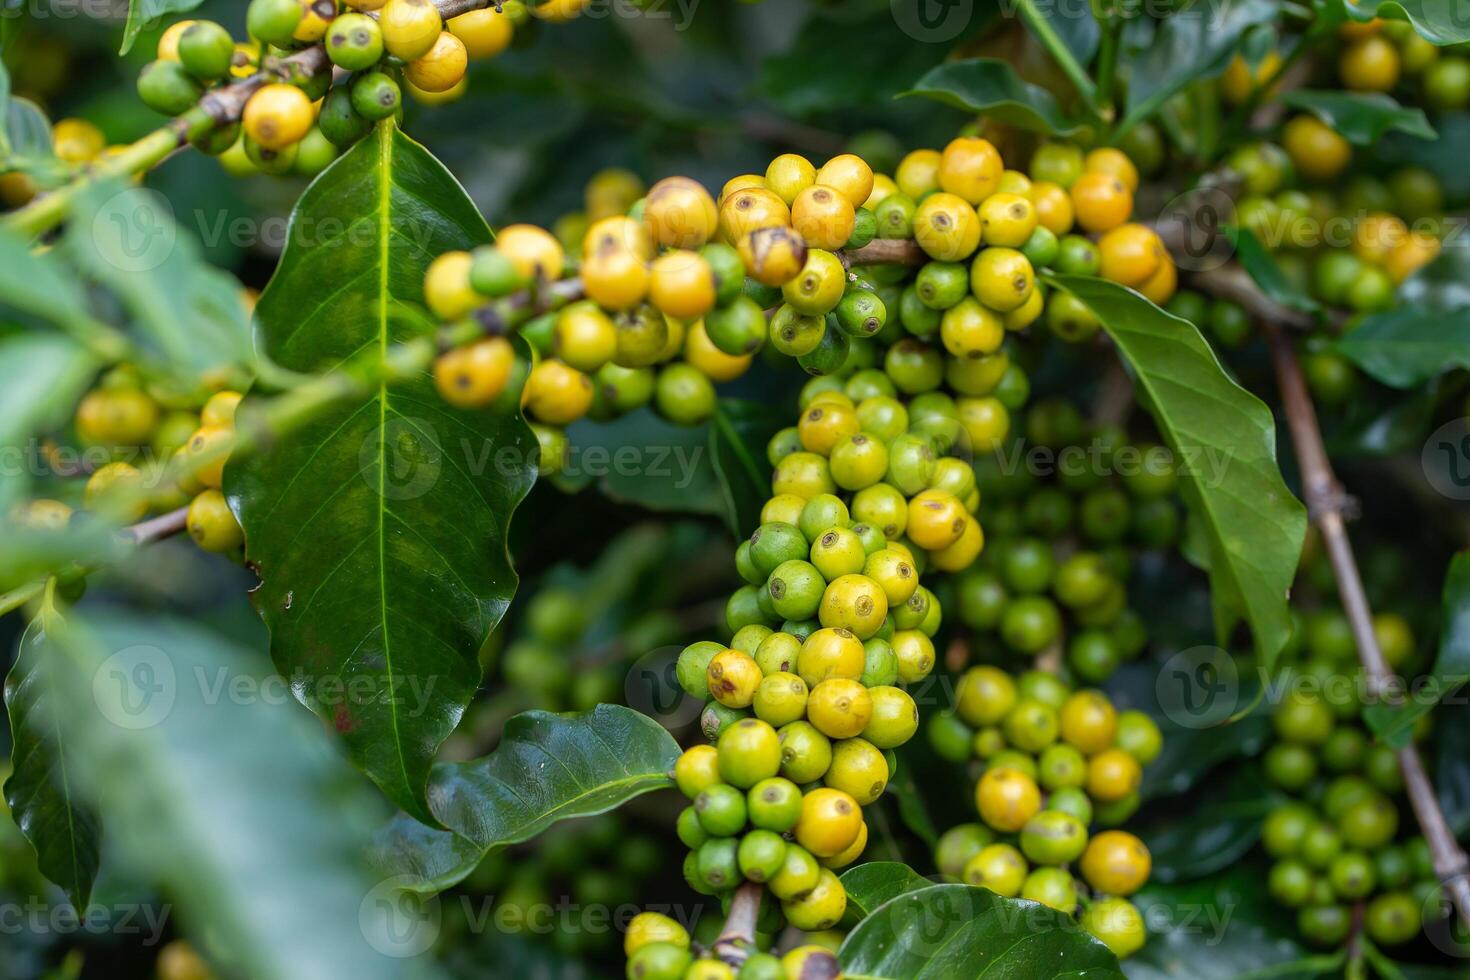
point(1377, 235)
point(1112, 774)
point(985, 696)
point(279, 115)
point(313, 25)
point(410, 28)
point(895, 717)
point(946, 227)
point(1130, 254)
point(962, 553)
point(1369, 65)
point(1053, 207)
point(442, 67)
point(611, 192)
point(780, 699)
point(915, 652)
point(618, 233)
point(986, 422)
point(1116, 863)
point(212, 524)
point(839, 707)
point(584, 337)
point(788, 175)
point(1240, 79)
point(680, 213)
point(858, 769)
point(1113, 162)
point(739, 183)
point(558, 11)
point(999, 867)
point(447, 289)
point(1002, 278)
point(749, 209)
point(1088, 721)
point(971, 330)
point(124, 417)
point(936, 519)
point(697, 769)
point(653, 927)
point(557, 393)
point(485, 33)
point(733, 678)
point(1410, 255)
point(828, 653)
point(970, 167)
point(1317, 151)
point(895, 574)
point(452, 94)
point(77, 140)
point(1007, 798)
point(1007, 219)
point(772, 256)
point(823, 217)
point(883, 187)
point(803, 474)
point(855, 603)
point(821, 908)
point(219, 410)
point(534, 252)
point(818, 288)
point(209, 443)
point(918, 173)
point(829, 821)
point(824, 424)
point(1101, 202)
point(1159, 287)
point(615, 278)
point(851, 176)
point(681, 284)
point(168, 41)
point(709, 360)
point(16, 189)
point(851, 854)
point(42, 514)
point(474, 376)
point(116, 491)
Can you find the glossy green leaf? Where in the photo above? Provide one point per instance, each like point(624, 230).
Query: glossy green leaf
point(738, 434)
point(547, 767)
point(1226, 927)
point(1224, 440)
point(1192, 44)
point(870, 885)
point(146, 15)
point(958, 932)
point(378, 529)
point(1261, 266)
point(1426, 332)
point(231, 800)
point(126, 238)
point(1440, 21)
point(1395, 724)
point(55, 815)
point(643, 459)
point(1361, 118)
point(1221, 825)
point(992, 87)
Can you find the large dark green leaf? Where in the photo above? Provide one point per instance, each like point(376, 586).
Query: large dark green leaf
point(58, 819)
point(1220, 825)
point(231, 800)
point(1409, 344)
point(1224, 439)
point(992, 87)
point(643, 459)
point(1440, 21)
point(958, 932)
point(1195, 43)
point(148, 14)
point(1395, 724)
point(870, 885)
point(1360, 118)
point(126, 238)
point(378, 529)
point(1222, 928)
point(738, 434)
point(548, 767)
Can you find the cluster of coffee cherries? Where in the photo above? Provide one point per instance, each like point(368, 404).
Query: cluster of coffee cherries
point(300, 123)
point(1056, 764)
point(1062, 541)
point(158, 460)
point(1339, 842)
point(75, 142)
point(1390, 56)
point(659, 948)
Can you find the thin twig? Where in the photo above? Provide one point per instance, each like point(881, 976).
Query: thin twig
point(738, 937)
point(1325, 503)
point(157, 528)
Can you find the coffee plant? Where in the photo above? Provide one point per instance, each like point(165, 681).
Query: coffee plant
point(764, 491)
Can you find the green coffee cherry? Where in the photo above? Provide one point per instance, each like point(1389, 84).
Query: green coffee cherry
point(376, 95)
point(274, 21)
point(206, 50)
point(167, 87)
point(354, 41)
